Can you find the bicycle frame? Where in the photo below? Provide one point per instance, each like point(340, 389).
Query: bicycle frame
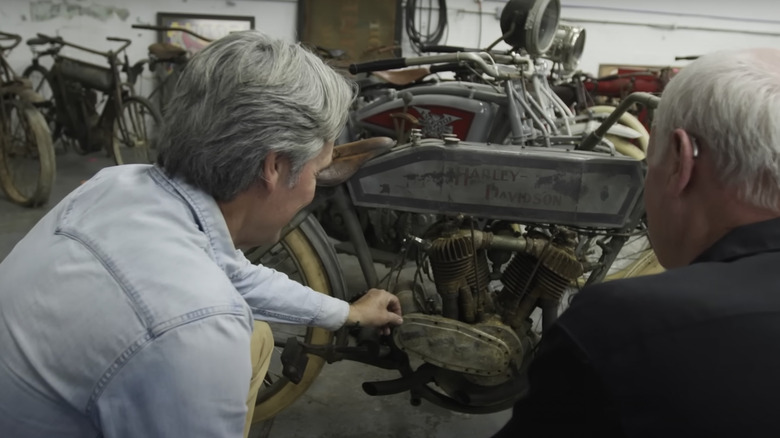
point(74, 110)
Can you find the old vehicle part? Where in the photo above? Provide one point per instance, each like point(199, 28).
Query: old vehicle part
point(27, 166)
point(530, 24)
point(306, 256)
point(567, 46)
point(117, 127)
point(542, 185)
point(134, 129)
point(458, 346)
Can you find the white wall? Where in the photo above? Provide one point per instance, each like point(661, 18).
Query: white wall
point(637, 44)
point(89, 22)
point(93, 20)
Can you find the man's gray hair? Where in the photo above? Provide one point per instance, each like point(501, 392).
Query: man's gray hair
point(730, 102)
point(242, 97)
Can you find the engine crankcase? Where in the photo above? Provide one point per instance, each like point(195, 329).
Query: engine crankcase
point(457, 346)
point(522, 184)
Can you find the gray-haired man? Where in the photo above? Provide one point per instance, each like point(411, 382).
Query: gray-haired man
point(692, 351)
point(127, 311)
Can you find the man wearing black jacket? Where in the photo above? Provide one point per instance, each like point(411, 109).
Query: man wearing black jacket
point(694, 351)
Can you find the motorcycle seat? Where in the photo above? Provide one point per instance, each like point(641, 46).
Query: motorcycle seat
point(349, 157)
point(167, 51)
point(403, 77)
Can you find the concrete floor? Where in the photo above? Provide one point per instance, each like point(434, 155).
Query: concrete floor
point(335, 405)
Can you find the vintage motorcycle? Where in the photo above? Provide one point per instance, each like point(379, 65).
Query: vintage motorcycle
point(491, 236)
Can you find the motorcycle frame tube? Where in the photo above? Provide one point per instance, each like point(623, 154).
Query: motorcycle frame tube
point(355, 232)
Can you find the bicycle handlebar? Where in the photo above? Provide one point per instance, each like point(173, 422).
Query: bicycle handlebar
point(10, 36)
point(109, 54)
point(126, 42)
point(165, 28)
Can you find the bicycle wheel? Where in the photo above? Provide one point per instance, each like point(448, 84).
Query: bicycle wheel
point(134, 130)
point(27, 167)
point(636, 257)
point(39, 79)
point(306, 256)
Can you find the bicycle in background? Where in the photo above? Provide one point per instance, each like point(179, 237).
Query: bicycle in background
point(27, 168)
point(166, 61)
point(125, 125)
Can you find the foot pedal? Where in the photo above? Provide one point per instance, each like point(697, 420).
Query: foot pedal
point(294, 360)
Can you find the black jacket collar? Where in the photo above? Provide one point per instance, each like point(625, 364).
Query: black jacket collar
point(744, 241)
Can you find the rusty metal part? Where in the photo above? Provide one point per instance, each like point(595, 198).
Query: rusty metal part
point(540, 273)
point(468, 307)
point(347, 159)
point(458, 346)
point(400, 121)
point(460, 270)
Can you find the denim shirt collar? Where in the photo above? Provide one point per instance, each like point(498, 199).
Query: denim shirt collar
point(207, 215)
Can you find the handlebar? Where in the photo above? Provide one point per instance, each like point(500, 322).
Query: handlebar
point(477, 58)
point(38, 41)
point(59, 40)
point(10, 36)
point(165, 28)
point(126, 42)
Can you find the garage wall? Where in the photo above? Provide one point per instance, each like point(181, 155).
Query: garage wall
point(641, 32)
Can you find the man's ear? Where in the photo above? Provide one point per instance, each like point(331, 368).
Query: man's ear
point(276, 170)
point(682, 160)
point(271, 171)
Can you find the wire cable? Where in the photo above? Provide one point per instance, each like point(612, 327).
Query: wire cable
point(417, 38)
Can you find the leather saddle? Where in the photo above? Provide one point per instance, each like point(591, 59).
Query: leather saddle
point(349, 157)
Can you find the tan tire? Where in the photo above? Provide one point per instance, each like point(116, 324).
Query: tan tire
point(642, 258)
point(304, 263)
point(134, 131)
point(27, 164)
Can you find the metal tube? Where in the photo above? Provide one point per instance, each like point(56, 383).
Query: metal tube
point(355, 232)
point(534, 117)
point(515, 114)
point(550, 122)
point(595, 137)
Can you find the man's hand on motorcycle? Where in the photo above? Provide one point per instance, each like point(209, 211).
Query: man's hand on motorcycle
point(377, 308)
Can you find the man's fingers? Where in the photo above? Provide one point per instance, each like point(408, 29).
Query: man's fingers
point(396, 319)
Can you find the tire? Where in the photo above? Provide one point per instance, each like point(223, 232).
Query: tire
point(305, 255)
point(636, 257)
point(27, 164)
point(39, 77)
point(133, 144)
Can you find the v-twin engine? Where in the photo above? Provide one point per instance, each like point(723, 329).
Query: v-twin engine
point(478, 323)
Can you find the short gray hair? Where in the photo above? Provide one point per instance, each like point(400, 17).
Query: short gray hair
point(242, 97)
point(731, 101)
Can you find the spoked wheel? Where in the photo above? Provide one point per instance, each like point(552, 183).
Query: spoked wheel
point(134, 130)
point(39, 79)
point(306, 256)
point(27, 166)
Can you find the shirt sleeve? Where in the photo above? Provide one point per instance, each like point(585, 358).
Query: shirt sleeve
point(274, 297)
point(191, 381)
point(566, 397)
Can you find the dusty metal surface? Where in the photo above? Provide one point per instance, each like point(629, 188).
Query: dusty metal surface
point(523, 184)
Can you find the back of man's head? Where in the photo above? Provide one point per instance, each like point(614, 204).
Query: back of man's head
point(730, 103)
point(242, 97)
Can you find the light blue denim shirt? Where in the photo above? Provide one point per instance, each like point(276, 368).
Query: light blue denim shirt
point(126, 312)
